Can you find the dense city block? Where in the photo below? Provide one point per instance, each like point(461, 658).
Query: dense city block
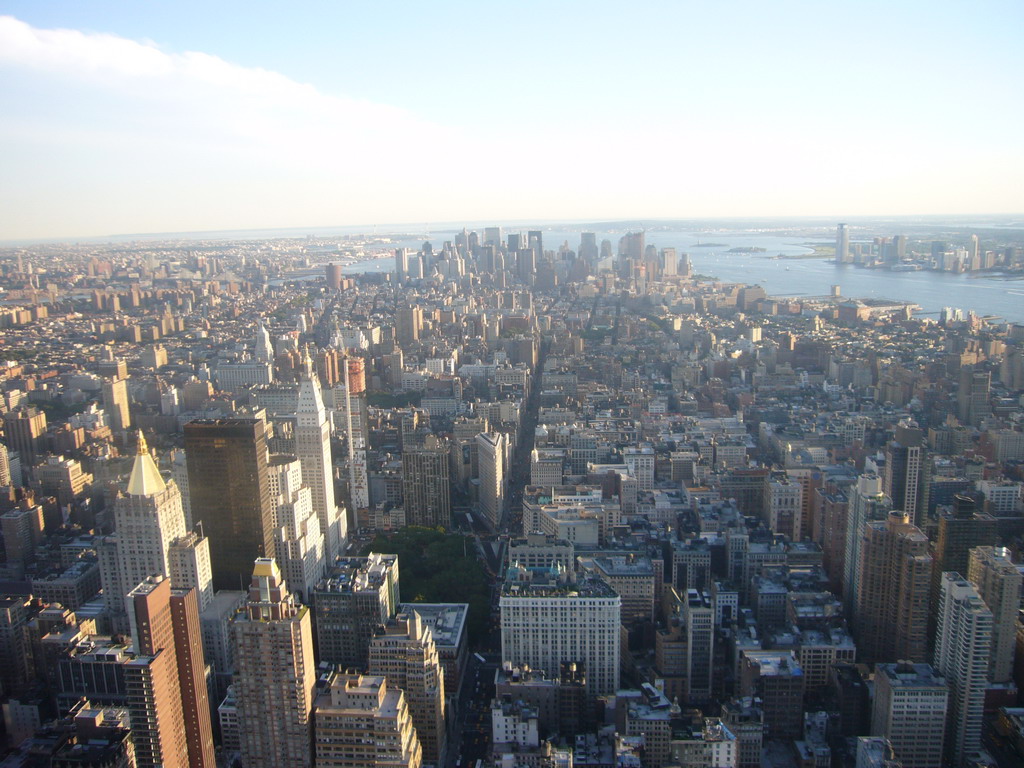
point(494, 499)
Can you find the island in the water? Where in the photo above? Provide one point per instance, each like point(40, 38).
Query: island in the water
point(747, 249)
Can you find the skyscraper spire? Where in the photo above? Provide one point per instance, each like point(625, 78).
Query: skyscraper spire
point(307, 363)
point(145, 478)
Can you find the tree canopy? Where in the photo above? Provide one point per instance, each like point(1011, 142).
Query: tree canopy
point(439, 567)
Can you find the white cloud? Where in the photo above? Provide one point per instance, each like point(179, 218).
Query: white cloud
point(261, 148)
point(102, 134)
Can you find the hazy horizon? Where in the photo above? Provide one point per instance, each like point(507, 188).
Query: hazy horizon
point(1000, 222)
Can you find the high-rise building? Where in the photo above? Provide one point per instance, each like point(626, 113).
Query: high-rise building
point(867, 503)
point(842, 244)
point(354, 374)
point(906, 471)
point(298, 541)
point(22, 528)
point(783, 504)
point(263, 348)
point(631, 245)
point(165, 682)
point(410, 323)
point(23, 431)
point(699, 616)
point(275, 673)
point(6, 477)
point(313, 448)
point(333, 274)
point(973, 395)
point(406, 655)
point(891, 615)
point(229, 491)
point(364, 720)
point(669, 262)
point(401, 265)
point(1000, 582)
point(491, 460)
point(545, 622)
point(588, 250)
point(962, 645)
point(115, 403)
point(492, 236)
point(910, 711)
point(426, 485)
point(147, 518)
point(359, 595)
point(16, 667)
point(188, 559)
point(961, 528)
point(535, 240)
point(62, 478)
point(777, 679)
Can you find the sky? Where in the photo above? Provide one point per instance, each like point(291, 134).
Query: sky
point(137, 117)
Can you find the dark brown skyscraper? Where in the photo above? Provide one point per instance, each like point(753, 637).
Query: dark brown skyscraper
point(195, 704)
point(170, 713)
point(229, 488)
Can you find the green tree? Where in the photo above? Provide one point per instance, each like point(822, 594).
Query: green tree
point(440, 567)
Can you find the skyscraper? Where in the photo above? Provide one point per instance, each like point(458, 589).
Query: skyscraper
point(401, 265)
point(973, 395)
point(275, 673)
point(166, 686)
point(313, 448)
point(263, 348)
point(910, 710)
point(189, 563)
point(700, 646)
point(842, 244)
point(23, 429)
point(147, 518)
point(491, 460)
point(545, 623)
point(963, 641)
point(115, 402)
point(426, 484)
point(359, 595)
point(588, 248)
point(405, 653)
point(867, 503)
point(297, 537)
point(492, 236)
point(535, 241)
point(960, 529)
point(906, 471)
point(999, 581)
point(355, 442)
point(410, 323)
point(229, 490)
point(778, 680)
point(891, 614)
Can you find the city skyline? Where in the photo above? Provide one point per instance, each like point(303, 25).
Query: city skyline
point(682, 424)
point(132, 120)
